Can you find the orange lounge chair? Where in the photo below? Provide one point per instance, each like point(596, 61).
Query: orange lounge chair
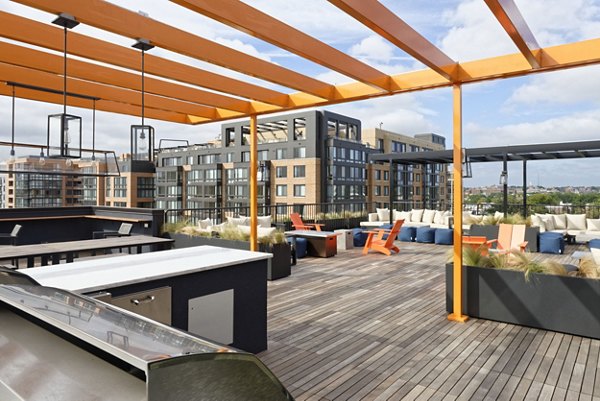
point(299, 225)
point(477, 242)
point(376, 242)
point(510, 237)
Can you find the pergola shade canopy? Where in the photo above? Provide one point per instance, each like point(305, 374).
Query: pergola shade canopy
point(545, 151)
point(181, 93)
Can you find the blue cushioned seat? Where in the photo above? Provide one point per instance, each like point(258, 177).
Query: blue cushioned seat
point(301, 245)
point(444, 236)
point(359, 237)
point(408, 234)
point(425, 234)
point(552, 243)
point(594, 243)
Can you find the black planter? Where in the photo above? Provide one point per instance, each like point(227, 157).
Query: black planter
point(279, 265)
point(491, 232)
point(557, 303)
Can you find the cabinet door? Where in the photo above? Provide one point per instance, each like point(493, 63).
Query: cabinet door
point(154, 304)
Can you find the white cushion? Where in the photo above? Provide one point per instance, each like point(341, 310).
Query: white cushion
point(238, 221)
point(596, 255)
point(560, 221)
point(536, 221)
point(428, 216)
point(373, 217)
point(576, 222)
point(264, 221)
point(416, 215)
point(401, 216)
point(593, 224)
point(383, 214)
point(438, 218)
point(498, 215)
point(204, 224)
point(260, 231)
point(548, 222)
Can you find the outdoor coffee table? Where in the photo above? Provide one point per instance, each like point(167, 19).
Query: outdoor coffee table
point(319, 243)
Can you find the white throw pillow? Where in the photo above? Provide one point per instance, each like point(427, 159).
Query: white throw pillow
point(548, 222)
point(416, 215)
point(536, 221)
point(576, 222)
point(438, 218)
point(428, 216)
point(238, 221)
point(383, 214)
point(401, 215)
point(560, 221)
point(204, 223)
point(373, 217)
point(264, 221)
point(498, 215)
point(593, 224)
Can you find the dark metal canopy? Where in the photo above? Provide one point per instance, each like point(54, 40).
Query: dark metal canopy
point(546, 151)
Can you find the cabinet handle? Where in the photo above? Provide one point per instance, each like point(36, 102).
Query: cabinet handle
point(146, 300)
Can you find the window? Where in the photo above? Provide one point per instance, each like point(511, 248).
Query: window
point(120, 187)
point(189, 160)
point(398, 147)
point(281, 190)
point(299, 171)
point(380, 144)
point(245, 156)
point(331, 128)
point(386, 175)
point(230, 137)
point(352, 131)
point(299, 153)
point(300, 190)
point(280, 154)
point(263, 155)
point(299, 129)
point(108, 181)
point(343, 130)
point(378, 190)
point(145, 187)
point(281, 171)
point(171, 161)
point(378, 174)
point(386, 191)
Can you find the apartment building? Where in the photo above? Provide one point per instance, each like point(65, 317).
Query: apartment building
point(307, 157)
point(416, 185)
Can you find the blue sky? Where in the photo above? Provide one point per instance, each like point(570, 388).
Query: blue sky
point(551, 107)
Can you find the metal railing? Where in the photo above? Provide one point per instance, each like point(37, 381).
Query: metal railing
point(590, 210)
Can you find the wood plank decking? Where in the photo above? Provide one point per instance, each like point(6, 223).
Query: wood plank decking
point(374, 327)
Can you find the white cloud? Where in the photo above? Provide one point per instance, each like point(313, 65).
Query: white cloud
point(580, 85)
point(373, 47)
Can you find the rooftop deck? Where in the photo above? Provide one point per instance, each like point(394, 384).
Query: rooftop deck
point(374, 327)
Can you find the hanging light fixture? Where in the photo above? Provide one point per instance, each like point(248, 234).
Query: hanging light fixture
point(142, 136)
point(12, 132)
point(64, 130)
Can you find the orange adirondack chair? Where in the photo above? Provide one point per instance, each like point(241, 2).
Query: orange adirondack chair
point(510, 236)
point(477, 242)
point(376, 242)
point(299, 225)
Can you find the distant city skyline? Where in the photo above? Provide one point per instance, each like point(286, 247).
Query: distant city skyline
point(550, 107)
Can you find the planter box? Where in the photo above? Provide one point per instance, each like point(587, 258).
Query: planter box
point(556, 303)
point(279, 265)
point(491, 232)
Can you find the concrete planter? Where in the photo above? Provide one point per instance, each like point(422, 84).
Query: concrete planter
point(556, 303)
point(491, 232)
point(279, 265)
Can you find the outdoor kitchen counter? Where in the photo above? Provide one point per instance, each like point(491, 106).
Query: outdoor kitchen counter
point(101, 273)
point(217, 293)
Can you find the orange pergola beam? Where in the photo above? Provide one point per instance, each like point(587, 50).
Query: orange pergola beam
point(102, 104)
point(42, 61)
point(511, 19)
point(256, 23)
point(381, 20)
point(50, 37)
point(41, 79)
point(109, 17)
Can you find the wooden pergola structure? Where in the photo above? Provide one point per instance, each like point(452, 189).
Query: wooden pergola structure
point(192, 95)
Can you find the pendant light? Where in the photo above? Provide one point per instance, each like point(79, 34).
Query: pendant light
point(142, 136)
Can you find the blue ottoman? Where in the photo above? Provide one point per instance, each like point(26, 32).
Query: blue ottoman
point(359, 237)
point(552, 243)
point(408, 234)
point(301, 244)
point(425, 235)
point(594, 243)
point(444, 236)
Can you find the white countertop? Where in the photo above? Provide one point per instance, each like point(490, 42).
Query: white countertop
point(102, 273)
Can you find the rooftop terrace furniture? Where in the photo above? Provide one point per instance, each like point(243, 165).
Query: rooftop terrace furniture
point(572, 226)
point(477, 243)
point(13, 235)
point(123, 231)
point(510, 237)
point(413, 218)
point(376, 242)
point(300, 225)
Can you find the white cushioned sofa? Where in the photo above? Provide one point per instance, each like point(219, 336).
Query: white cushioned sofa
point(414, 218)
point(242, 223)
point(576, 225)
